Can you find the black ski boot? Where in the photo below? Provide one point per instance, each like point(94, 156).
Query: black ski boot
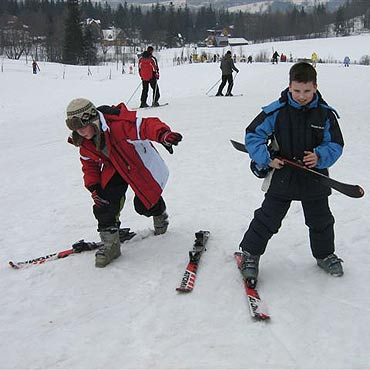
point(249, 268)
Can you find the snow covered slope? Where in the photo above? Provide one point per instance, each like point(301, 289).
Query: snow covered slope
point(67, 314)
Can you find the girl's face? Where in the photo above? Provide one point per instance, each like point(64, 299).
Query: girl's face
point(87, 132)
point(302, 92)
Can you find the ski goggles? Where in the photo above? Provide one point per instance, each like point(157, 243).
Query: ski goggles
point(77, 122)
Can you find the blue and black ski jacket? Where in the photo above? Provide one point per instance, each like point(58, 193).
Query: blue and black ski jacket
point(296, 129)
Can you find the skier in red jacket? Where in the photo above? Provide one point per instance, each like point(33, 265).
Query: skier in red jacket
point(149, 73)
point(115, 151)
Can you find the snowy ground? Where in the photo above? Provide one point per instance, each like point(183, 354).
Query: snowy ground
point(67, 314)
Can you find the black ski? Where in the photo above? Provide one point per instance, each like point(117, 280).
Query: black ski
point(78, 247)
point(187, 282)
point(152, 106)
point(225, 96)
point(353, 191)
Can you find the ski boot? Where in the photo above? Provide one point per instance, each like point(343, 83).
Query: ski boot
point(249, 268)
point(111, 248)
point(332, 264)
point(160, 223)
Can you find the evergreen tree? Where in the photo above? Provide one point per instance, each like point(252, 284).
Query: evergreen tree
point(73, 47)
point(90, 49)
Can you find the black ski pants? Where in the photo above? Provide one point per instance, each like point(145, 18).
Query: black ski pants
point(115, 192)
point(154, 85)
point(267, 221)
point(224, 79)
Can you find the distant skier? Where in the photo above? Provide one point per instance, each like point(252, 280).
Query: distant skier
point(346, 61)
point(289, 123)
point(35, 67)
point(149, 73)
point(227, 67)
point(314, 59)
point(275, 57)
point(115, 152)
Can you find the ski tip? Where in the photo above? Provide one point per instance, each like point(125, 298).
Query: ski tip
point(13, 265)
point(361, 191)
point(262, 317)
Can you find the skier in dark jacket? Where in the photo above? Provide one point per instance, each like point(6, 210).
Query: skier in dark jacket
point(227, 67)
point(301, 126)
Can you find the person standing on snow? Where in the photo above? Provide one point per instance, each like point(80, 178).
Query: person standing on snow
point(314, 59)
point(35, 67)
point(227, 67)
point(116, 152)
point(302, 127)
point(275, 57)
point(346, 61)
point(149, 73)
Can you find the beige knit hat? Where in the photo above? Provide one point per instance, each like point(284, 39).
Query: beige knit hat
point(81, 113)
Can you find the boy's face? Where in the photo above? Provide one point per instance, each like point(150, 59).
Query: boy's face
point(302, 92)
point(87, 132)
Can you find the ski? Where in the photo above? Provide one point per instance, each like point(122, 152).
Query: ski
point(256, 306)
point(353, 191)
point(225, 96)
point(78, 247)
point(152, 106)
point(188, 280)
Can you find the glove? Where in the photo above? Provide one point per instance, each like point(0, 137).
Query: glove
point(97, 197)
point(157, 76)
point(169, 138)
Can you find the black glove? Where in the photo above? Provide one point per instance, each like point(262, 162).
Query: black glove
point(170, 138)
point(96, 195)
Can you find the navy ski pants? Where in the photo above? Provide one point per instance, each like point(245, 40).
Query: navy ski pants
point(267, 221)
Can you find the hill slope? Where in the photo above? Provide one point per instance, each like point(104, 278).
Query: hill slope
point(67, 314)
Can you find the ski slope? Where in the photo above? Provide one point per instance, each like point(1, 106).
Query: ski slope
point(67, 314)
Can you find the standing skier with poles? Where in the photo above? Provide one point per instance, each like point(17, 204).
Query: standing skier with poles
point(115, 152)
point(303, 127)
point(149, 73)
point(227, 67)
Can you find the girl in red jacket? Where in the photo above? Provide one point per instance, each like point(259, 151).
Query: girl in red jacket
point(116, 151)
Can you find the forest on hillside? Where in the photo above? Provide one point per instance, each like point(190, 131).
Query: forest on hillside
point(62, 31)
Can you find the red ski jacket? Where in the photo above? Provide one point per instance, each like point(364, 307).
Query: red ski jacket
point(130, 153)
point(147, 68)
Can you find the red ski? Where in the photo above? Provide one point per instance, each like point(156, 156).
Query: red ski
point(187, 282)
point(256, 305)
point(78, 247)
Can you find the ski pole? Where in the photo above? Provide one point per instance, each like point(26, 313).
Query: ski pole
point(133, 93)
point(213, 85)
point(155, 92)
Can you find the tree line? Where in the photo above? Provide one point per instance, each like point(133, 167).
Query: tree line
point(54, 30)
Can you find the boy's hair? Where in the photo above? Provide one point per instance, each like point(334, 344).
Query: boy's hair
point(302, 72)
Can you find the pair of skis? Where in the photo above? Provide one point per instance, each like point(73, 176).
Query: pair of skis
point(189, 277)
point(256, 306)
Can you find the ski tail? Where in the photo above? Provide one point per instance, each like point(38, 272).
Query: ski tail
point(256, 305)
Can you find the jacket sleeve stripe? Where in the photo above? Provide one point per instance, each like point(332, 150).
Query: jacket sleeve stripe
point(138, 126)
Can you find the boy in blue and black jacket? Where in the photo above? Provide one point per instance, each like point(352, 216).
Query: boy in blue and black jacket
point(299, 126)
